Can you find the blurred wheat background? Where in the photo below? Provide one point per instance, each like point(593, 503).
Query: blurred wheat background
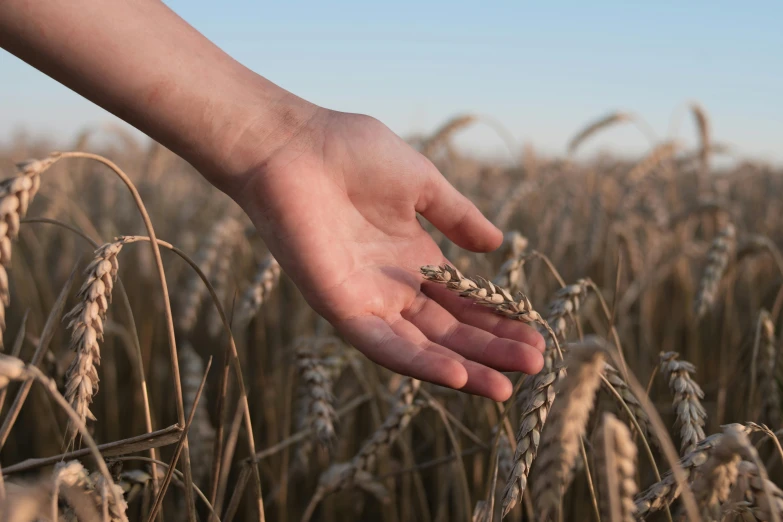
point(663, 269)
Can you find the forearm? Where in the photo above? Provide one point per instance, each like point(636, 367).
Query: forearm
point(140, 61)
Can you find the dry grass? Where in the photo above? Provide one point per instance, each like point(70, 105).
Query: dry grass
point(667, 253)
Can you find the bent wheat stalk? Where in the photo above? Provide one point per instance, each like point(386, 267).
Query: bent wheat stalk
point(172, 341)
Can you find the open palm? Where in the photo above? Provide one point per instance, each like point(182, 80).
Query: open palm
point(337, 205)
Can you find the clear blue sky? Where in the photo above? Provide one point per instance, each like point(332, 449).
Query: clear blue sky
point(542, 69)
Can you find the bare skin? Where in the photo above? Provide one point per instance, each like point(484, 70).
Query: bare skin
point(335, 196)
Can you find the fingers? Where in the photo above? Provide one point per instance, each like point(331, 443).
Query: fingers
point(454, 215)
point(468, 312)
point(403, 348)
point(478, 345)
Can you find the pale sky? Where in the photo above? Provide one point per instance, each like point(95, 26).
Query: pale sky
point(541, 69)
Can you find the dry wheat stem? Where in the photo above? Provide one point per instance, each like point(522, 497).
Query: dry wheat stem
point(691, 415)
point(172, 341)
point(567, 422)
point(717, 260)
point(234, 358)
point(201, 435)
point(136, 344)
point(616, 461)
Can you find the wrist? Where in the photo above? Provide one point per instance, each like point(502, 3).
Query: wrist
point(246, 130)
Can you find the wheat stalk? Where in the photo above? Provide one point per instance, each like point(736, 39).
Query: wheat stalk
point(717, 261)
point(560, 441)
point(595, 126)
point(86, 324)
point(201, 435)
point(691, 415)
point(616, 461)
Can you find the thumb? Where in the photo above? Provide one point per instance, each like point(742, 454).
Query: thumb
point(456, 216)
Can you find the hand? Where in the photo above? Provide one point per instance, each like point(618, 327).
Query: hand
point(337, 204)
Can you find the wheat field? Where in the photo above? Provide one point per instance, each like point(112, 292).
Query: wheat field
point(138, 305)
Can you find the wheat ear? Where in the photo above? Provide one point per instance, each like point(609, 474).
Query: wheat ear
point(86, 325)
point(16, 194)
point(560, 441)
point(406, 407)
point(719, 473)
point(265, 280)
point(749, 494)
point(535, 399)
point(691, 415)
point(717, 260)
point(315, 392)
point(357, 472)
point(511, 273)
point(595, 126)
point(770, 394)
point(565, 303)
point(488, 294)
point(618, 383)
point(90, 487)
point(616, 460)
point(446, 131)
point(666, 491)
point(206, 258)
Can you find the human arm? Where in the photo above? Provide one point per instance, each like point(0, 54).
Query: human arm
point(335, 196)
